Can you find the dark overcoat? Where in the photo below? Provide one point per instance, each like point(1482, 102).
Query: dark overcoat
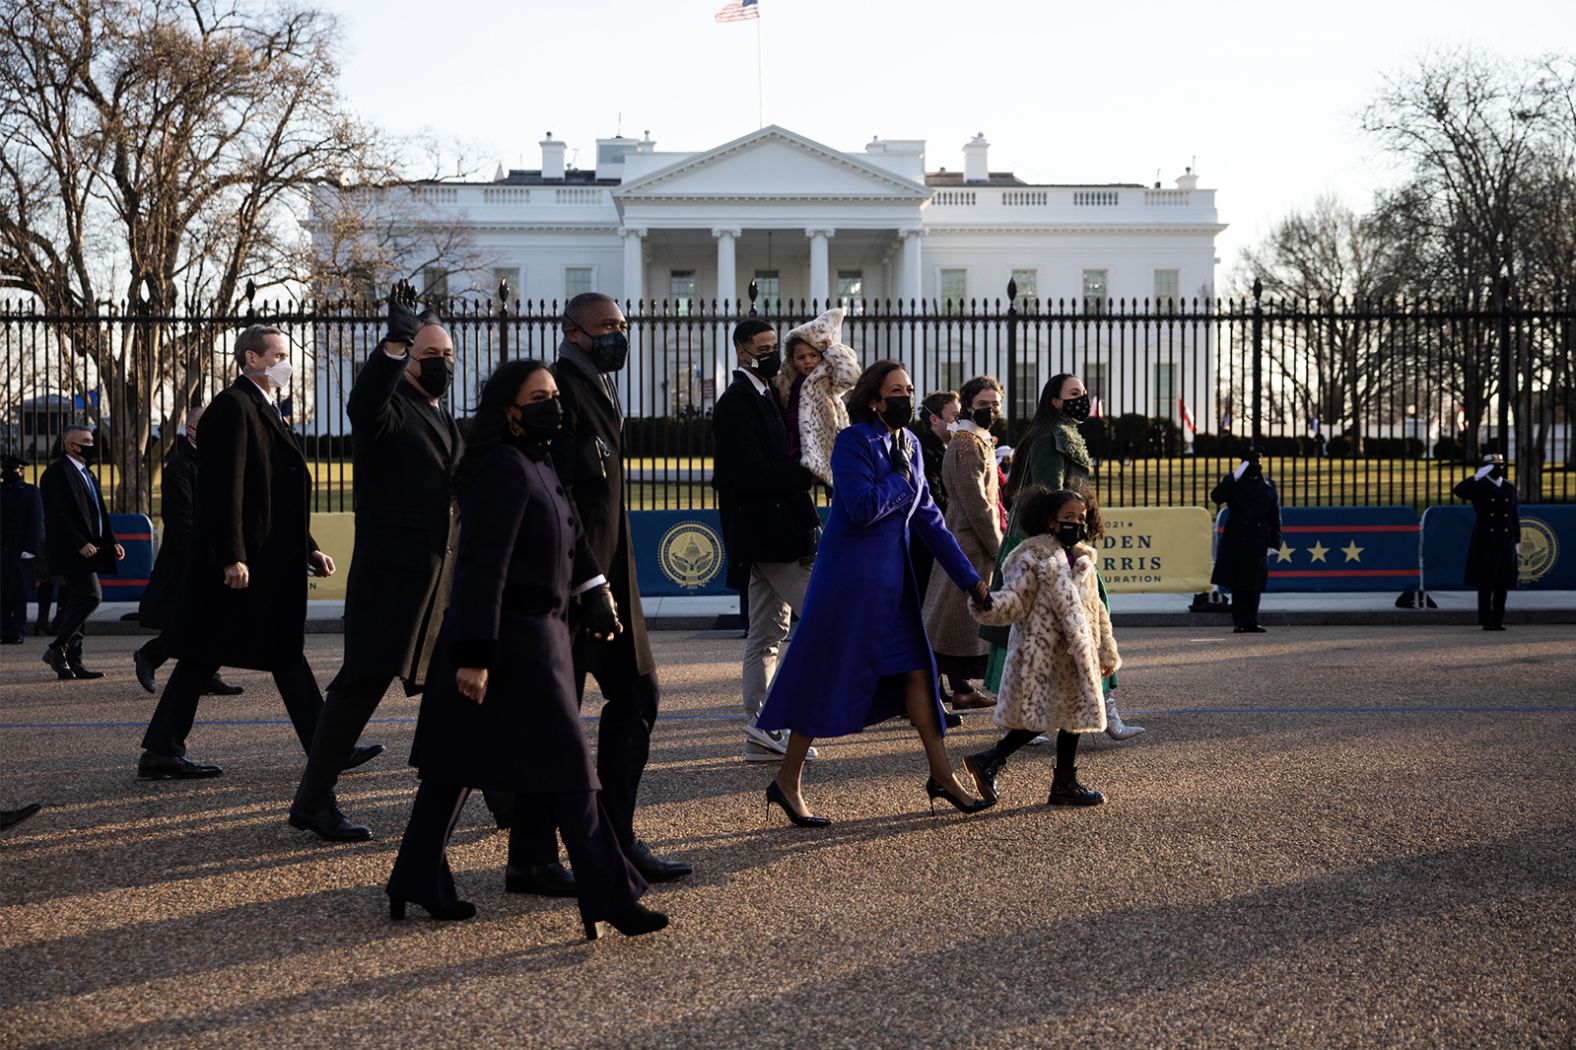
point(161, 599)
point(407, 520)
point(861, 591)
point(508, 613)
point(253, 506)
point(1491, 553)
point(763, 494)
point(73, 518)
point(934, 452)
point(21, 519)
point(1253, 526)
point(589, 457)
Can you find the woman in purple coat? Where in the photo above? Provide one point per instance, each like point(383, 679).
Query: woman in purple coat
point(500, 710)
point(861, 655)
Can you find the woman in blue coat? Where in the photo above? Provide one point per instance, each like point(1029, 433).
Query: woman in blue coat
point(861, 655)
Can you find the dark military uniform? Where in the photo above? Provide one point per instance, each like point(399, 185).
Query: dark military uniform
point(21, 531)
point(1492, 565)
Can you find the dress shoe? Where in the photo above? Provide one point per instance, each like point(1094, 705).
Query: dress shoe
point(544, 880)
point(10, 818)
point(1066, 791)
point(972, 699)
point(144, 668)
point(775, 796)
point(14, 639)
point(935, 791)
point(632, 923)
point(653, 868)
point(331, 825)
point(167, 767)
point(361, 756)
point(219, 687)
point(1255, 629)
point(459, 911)
point(57, 660)
point(950, 720)
point(78, 671)
point(984, 767)
point(1494, 627)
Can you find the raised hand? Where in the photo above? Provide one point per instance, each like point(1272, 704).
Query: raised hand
point(403, 324)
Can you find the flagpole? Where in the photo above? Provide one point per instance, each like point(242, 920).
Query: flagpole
point(760, 76)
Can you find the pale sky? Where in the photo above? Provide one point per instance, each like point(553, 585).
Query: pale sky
point(1266, 96)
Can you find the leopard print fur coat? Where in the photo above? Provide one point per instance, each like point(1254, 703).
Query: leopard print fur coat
point(822, 413)
point(1061, 638)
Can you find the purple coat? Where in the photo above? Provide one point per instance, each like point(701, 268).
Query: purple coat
point(862, 607)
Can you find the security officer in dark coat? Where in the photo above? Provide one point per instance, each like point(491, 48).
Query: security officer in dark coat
point(1252, 534)
point(79, 543)
point(588, 456)
point(161, 599)
point(21, 541)
point(1493, 557)
point(244, 601)
point(405, 446)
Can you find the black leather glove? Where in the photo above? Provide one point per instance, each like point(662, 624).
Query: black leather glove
point(403, 322)
point(599, 612)
point(900, 460)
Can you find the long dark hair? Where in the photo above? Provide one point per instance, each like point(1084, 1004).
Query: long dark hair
point(868, 389)
point(1047, 417)
point(489, 426)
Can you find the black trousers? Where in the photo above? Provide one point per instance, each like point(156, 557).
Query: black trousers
point(156, 650)
point(177, 709)
point(622, 748)
point(15, 575)
point(85, 595)
point(605, 882)
point(345, 714)
point(1491, 606)
point(1245, 608)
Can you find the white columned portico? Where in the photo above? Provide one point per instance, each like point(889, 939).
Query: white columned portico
point(820, 270)
point(913, 287)
point(635, 293)
point(727, 266)
point(634, 263)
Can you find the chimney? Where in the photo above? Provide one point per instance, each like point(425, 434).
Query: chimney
point(975, 168)
point(646, 145)
point(1187, 180)
point(552, 158)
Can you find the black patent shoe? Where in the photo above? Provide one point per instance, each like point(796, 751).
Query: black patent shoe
point(78, 671)
point(459, 911)
point(169, 767)
point(1066, 791)
point(361, 756)
point(984, 767)
point(935, 791)
point(10, 818)
point(774, 795)
point(57, 662)
point(330, 825)
point(636, 921)
point(219, 687)
point(951, 720)
point(144, 669)
point(544, 880)
point(652, 867)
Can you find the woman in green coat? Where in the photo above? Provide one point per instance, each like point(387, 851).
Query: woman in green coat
point(1051, 454)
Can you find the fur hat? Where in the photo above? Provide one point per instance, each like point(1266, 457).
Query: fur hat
point(824, 331)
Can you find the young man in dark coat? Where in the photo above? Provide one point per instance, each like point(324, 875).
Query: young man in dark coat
point(1252, 534)
point(768, 519)
point(21, 541)
point(405, 447)
point(161, 599)
point(937, 413)
point(244, 599)
point(588, 456)
point(1493, 556)
point(79, 543)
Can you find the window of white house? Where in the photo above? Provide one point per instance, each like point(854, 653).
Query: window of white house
point(1093, 374)
point(681, 289)
point(577, 279)
point(954, 291)
point(1096, 293)
point(511, 274)
point(770, 288)
point(1028, 282)
point(435, 282)
point(1165, 391)
point(1167, 288)
point(851, 290)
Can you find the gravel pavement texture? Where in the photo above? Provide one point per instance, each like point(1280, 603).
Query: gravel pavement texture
point(1329, 836)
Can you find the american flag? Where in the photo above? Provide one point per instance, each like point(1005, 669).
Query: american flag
point(1094, 408)
point(1187, 417)
point(739, 10)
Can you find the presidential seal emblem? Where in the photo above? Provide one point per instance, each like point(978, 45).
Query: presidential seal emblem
point(1540, 549)
point(690, 554)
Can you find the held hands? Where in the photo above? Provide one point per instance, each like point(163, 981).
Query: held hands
point(472, 683)
point(403, 323)
point(599, 613)
point(236, 576)
point(322, 564)
point(1107, 672)
point(979, 596)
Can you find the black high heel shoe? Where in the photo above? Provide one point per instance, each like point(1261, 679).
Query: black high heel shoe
point(459, 911)
point(935, 791)
point(802, 820)
point(636, 921)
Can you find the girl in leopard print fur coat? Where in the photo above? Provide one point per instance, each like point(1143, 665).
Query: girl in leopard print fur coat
point(813, 403)
point(1060, 646)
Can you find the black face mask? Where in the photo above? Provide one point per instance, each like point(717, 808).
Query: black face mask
point(539, 421)
point(767, 365)
point(1076, 408)
point(88, 453)
point(983, 417)
point(1069, 533)
point(898, 411)
point(609, 351)
point(11, 477)
point(436, 375)
point(1497, 472)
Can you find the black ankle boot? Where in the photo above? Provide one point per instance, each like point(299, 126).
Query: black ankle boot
point(984, 767)
point(1066, 791)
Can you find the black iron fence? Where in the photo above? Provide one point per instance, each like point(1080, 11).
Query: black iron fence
point(1358, 403)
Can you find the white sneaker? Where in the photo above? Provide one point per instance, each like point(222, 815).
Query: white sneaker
point(768, 745)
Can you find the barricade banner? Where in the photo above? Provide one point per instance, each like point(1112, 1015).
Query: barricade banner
point(134, 532)
point(336, 536)
point(1344, 549)
point(1153, 550)
point(679, 553)
point(1548, 547)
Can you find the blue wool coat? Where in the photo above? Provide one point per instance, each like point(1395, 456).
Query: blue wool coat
point(863, 599)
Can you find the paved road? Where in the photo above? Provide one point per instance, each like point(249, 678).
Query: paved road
point(1329, 836)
